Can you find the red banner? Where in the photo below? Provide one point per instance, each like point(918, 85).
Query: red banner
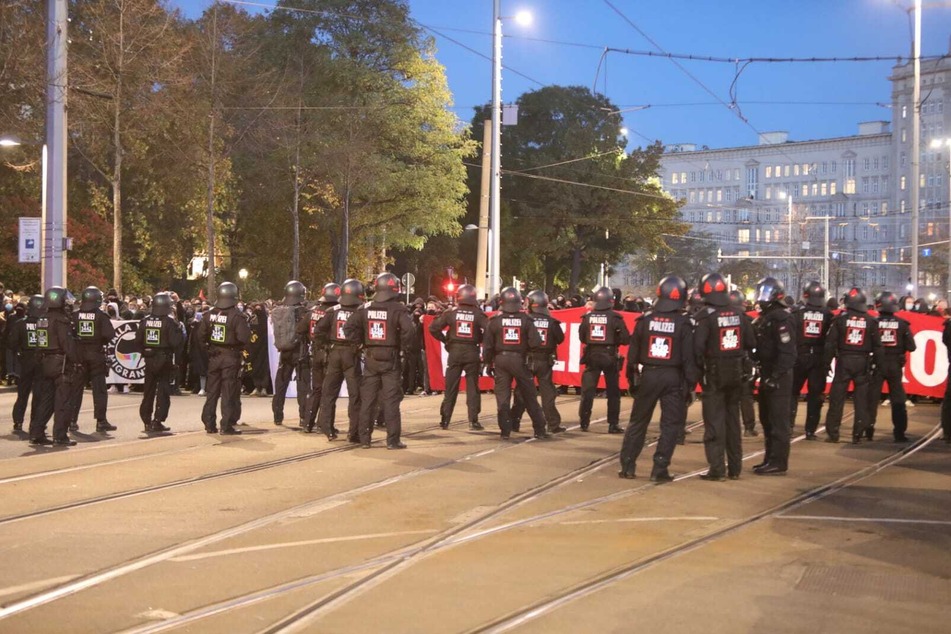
point(925, 372)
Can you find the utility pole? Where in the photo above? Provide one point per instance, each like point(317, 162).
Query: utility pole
point(482, 252)
point(915, 147)
point(54, 226)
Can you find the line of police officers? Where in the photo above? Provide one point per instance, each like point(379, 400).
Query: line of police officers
point(343, 338)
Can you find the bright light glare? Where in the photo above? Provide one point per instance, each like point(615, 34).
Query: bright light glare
point(8, 142)
point(523, 18)
point(243, 274)
point(624, 131)
point(936, 143)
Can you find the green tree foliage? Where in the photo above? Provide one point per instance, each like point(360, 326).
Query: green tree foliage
point(572, 198)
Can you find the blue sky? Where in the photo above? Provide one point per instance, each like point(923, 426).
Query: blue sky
point(830, 99)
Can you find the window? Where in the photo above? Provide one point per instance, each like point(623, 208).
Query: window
point(767, 234)
point(743, 215)
point(719, 195)
point(875, 184)
point(850, 168)
point(833, 186)
point(904, 111)
point(901, 183)
point(795, 169)
point(702, 176)
point(769, 171)
point(701, 195)
point(868, 164)
point(902, 233)
point(693, 177)
point(840, 210)
point(736, 174)
point(752, 181)
point(805, 190)
point(824, 189)
point(805, 169)
point(921, 181)
point(884, 162)
point(825, 167)
point(833, 167)
point(719, 175)
point(904, 136)
point(901, 160)
point(693, 195)
point(778, 171)
point(743, 236)
point(769, 191)
point(786, 171)
point(902, 209)
point(849, 186)
point(675, 178)
point(865, 185)
point(874, 163)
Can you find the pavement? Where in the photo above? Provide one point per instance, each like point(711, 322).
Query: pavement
point(279, 531)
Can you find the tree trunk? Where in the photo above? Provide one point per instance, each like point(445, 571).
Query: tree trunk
point(210, 211)
point(117, 164)
point(575, 270)
point(342, 264)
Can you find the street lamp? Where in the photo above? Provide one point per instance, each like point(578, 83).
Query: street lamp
point(788, 198)
point(523, 18)
point(935, 144)
point(243, 274)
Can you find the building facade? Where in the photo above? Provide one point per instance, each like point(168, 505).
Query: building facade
point(767, 202)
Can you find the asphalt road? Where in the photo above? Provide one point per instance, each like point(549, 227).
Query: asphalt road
point(278, 531)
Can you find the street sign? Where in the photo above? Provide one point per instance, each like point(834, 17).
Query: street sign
point(29, 240)
point(925, 253)
point(408, 279)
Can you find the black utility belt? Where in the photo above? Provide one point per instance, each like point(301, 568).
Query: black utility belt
point(855, 354)
point(661, 367)
point(810, 350)
point(342, 344)
point(51, 354)
point(509, 353)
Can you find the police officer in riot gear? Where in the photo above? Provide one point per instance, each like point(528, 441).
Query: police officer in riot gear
point(92, 330)
point(295, 293)
point(225, 332)
point(811, 324)
point(854, 343)
point(385, 330)
point(461, 329)
point(56, 350)
point(747, 409)
point(660, 367)
point(724, 334)
point(343, 361)
point(508, 338)
point(540, 362)
point(601, 332)
point(776, 356)
point(157, 338)
point(307, 331)
point(897, 340)
point(22, 342)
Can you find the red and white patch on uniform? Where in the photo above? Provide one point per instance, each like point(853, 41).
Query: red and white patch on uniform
point(511, 335)
point(376, 330)
point(597, 332)
point(660, 347)
point(729, 339)
point(464, 329)
point(340, 334)
point(811, 329)
point(543, 333)
point(889, 337)
point(855, 337)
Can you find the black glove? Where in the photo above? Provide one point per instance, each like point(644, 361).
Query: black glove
point(770, 382)
point(633, 381)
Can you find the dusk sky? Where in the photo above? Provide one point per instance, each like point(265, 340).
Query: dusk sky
point(810, 100)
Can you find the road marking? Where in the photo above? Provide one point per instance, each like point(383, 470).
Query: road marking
point(692, 518)
point(874, 520)
point(308, 542)
point(35, 585)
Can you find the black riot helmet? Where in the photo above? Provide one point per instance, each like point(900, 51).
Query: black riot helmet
point(161, 304)
point(713, 290)
point(855, 300)
point(35, 307)
point(227, 295)
point(352, 293)
point(736, 299)
point(538, 302)
point(886, 302)
point(671, 294)
point(603, 298)
point(330, 294)
point(466, 295)
point(386, 287)
point(814, 294)
point(55, 298)
point(294, 293)
point(510, 300)
point(769, 290)
point(91, 298)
